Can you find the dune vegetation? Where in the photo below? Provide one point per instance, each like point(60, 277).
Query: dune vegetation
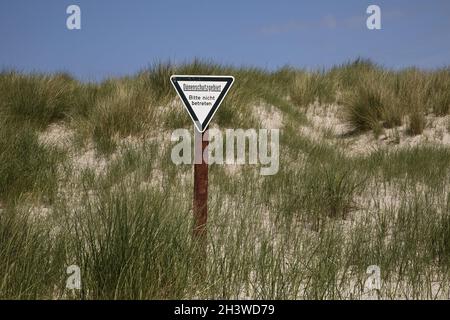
point(86, 179)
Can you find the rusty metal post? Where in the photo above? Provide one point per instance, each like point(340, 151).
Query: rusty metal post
point(200, 206)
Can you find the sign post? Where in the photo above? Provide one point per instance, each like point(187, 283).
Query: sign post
point(200, 206)
point(201, 96)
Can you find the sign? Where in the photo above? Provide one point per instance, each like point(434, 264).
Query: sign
point(201, 95)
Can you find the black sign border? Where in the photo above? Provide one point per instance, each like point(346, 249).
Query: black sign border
point(229, 82)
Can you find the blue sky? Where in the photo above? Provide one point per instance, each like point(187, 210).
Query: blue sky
point(120, 37)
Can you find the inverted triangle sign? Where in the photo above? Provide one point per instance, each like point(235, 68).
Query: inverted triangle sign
point(201, 95)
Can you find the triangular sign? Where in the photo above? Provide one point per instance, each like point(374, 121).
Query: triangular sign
point(201, 95)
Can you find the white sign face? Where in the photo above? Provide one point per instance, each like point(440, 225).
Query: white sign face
point(202, 96)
